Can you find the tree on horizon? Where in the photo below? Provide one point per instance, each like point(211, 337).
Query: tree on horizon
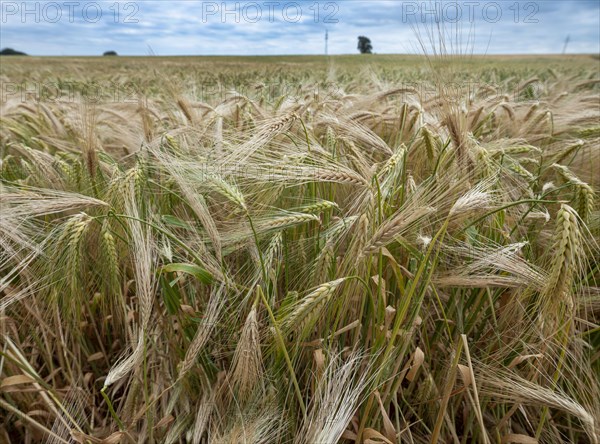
point(364, 45)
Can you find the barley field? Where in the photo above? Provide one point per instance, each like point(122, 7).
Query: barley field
point(303, 250)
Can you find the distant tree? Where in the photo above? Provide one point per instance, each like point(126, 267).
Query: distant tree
point(364, 45)
point(10, 51)
point(110, 53)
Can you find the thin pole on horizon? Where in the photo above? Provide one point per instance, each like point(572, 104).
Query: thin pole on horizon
point(326, 41)
point(567, 40)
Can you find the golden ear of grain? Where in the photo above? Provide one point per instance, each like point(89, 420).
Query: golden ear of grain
point(204, 330)
point(310, 307)
point(323, 264)
point(584, 194)
point(226, 189)
point(247, 371)
point(566, 263)
point(112, 301)
point(331, 140)
point(186, 109)
point(288, 221)
point(361, 236)
point(585, 202)
point(392, 163)
point(429, 144)
point(394, 227)
point(318, 207)
point(204, 411)
point(109, 250)
point(274, 250)
point(340, 177)
point(74, 250)
point(337, 396)
point(125, 365)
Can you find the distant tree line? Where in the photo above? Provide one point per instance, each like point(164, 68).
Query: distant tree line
point(10, 51)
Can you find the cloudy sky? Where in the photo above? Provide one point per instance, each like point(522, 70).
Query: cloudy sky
point(296, 27)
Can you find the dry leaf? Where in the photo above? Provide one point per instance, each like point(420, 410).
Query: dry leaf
point(89, 376)
point(82, 438)
point(319, 358)
point(388, 426)
point(166, 420)
point(10, 381)
point(417, 361)
point(95, 357)
point(519, 439)
point(349, 435)
point(465, 374)
point(372, 436)
point(390, 312)
point(188, 309)
point(114, 438)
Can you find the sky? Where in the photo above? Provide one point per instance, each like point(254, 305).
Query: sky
point(273, 27)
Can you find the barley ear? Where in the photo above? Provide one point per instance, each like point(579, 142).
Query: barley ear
point(565, 265)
